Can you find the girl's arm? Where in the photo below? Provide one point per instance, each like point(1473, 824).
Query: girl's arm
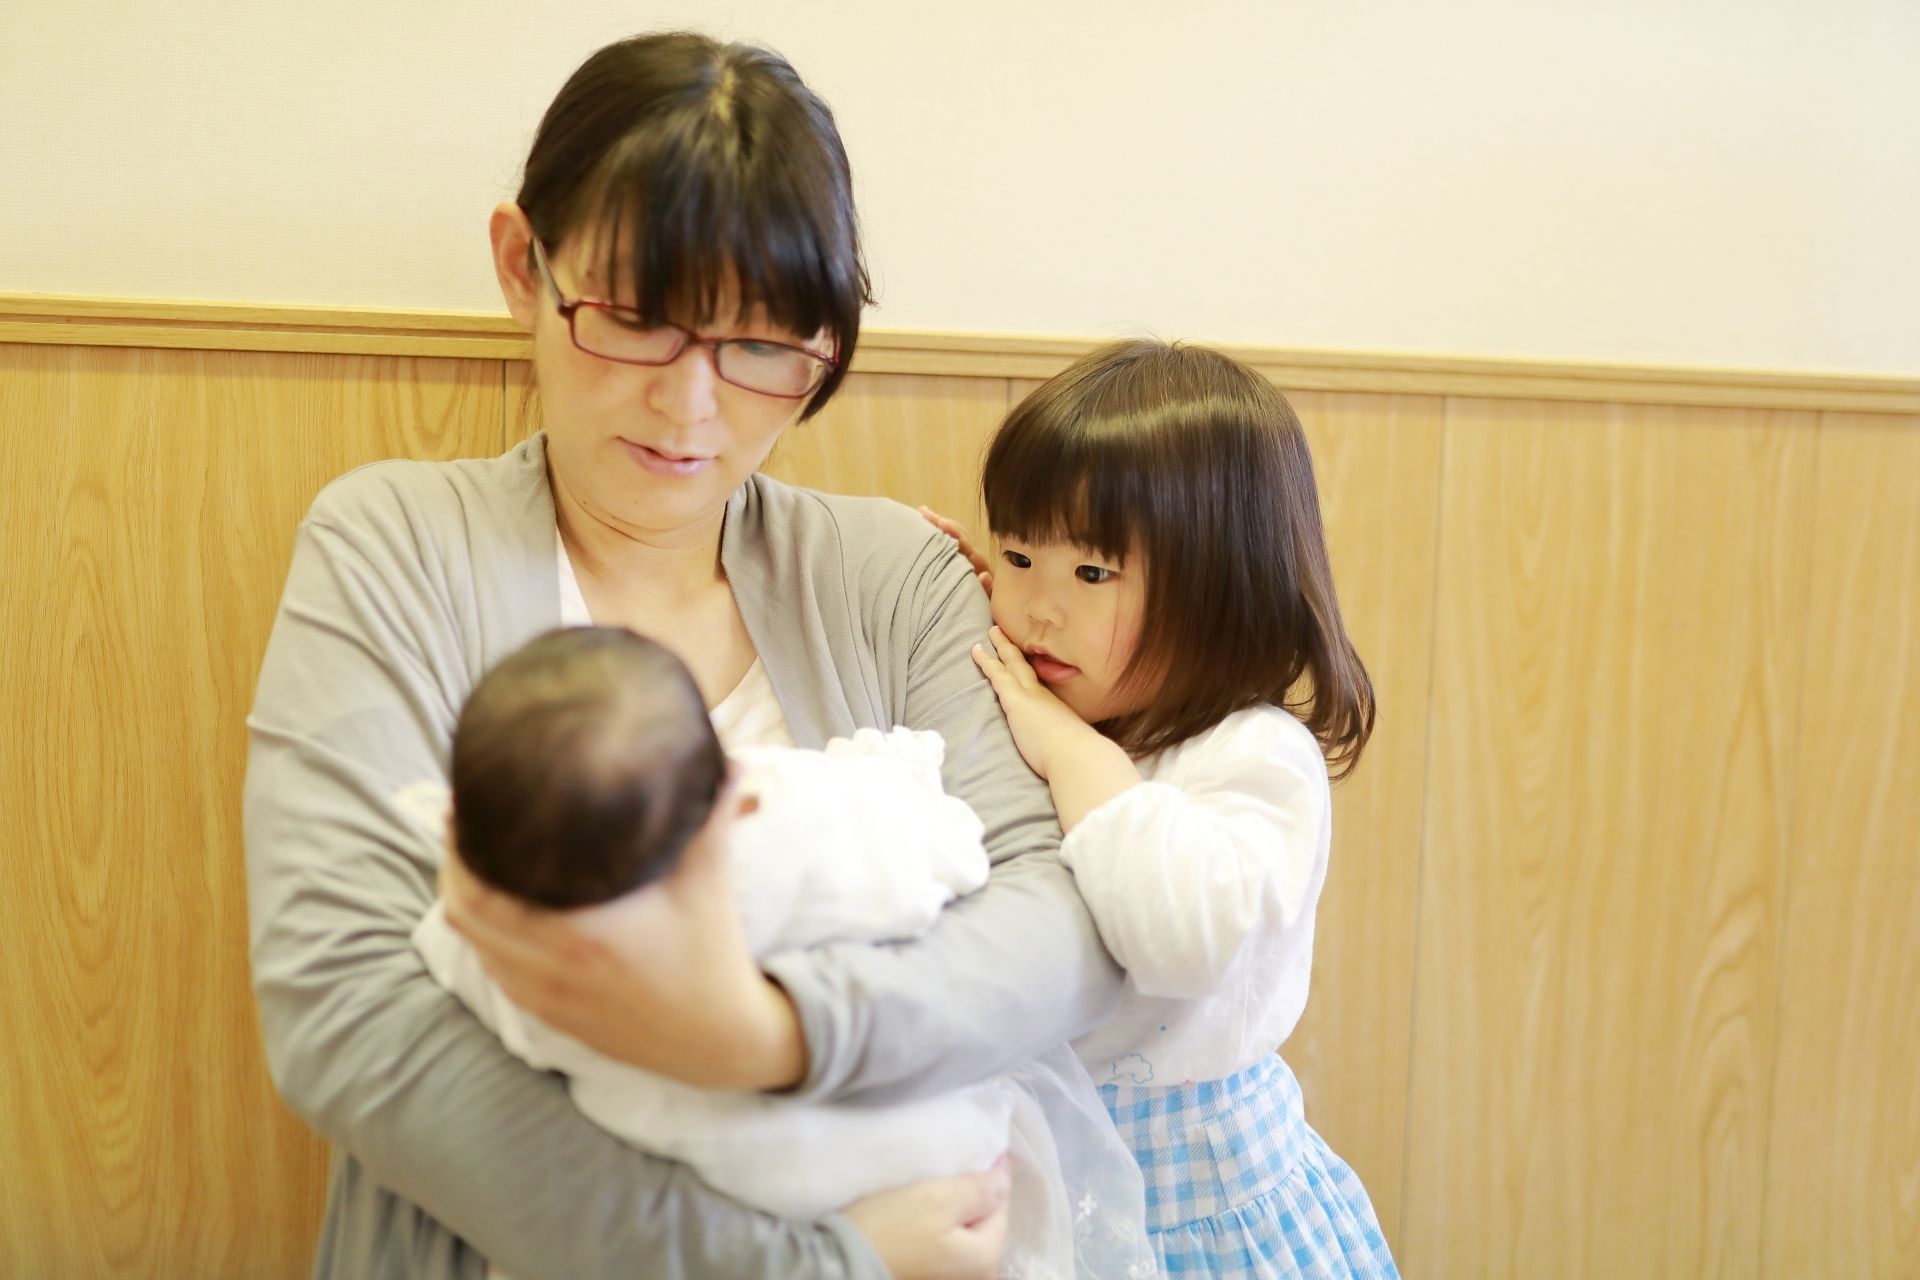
point(1185, 882)
point(1008, 972)
point(355, 703)
point(1190, 882)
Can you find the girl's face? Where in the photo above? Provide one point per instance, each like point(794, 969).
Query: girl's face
point(1076, 615)
point(655, 451)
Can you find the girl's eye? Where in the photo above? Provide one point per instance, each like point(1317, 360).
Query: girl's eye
point(1092, 574)
point(1017, 560)
point(760, 350)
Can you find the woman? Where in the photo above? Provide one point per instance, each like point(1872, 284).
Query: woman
point(684, 251)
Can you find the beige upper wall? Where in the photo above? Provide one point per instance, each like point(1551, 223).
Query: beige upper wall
point(1718, 182)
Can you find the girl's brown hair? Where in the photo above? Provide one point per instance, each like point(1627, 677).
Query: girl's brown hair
point(1191, 459)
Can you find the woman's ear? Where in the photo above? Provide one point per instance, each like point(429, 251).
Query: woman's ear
point(512, 237)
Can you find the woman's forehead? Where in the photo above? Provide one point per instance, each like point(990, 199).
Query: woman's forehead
point(608, 276)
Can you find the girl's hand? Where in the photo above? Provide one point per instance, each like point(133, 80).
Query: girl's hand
point(981, 569)
point(660, 978)
point(940, 1229)
point(1044, 728)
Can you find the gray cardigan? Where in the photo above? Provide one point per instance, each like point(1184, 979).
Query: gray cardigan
point(410, 579)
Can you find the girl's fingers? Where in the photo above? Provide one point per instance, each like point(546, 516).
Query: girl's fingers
point(973, 557)
point(1009, 653)
point(948, 527)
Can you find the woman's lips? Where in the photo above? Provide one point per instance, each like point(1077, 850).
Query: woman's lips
point(664, 464)
point(1050, 669)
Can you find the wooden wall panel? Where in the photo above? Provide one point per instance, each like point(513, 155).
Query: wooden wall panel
point(150, 501)
point(1377, 463)
point(911, 438)
point(1843, 1184)
point(1615, 977)
point(1616, 674)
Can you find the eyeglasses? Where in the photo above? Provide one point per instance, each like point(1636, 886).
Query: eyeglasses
point(621, 335)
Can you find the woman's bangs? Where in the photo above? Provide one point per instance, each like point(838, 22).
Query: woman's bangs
point(697, 232)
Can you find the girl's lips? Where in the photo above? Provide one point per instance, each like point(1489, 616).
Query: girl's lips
point(664, 464)
point(1050, 669)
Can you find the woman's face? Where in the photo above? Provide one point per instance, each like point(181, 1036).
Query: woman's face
point(655, 451)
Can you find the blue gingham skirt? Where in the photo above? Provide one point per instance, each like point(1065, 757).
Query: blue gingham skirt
point(1238, 1185)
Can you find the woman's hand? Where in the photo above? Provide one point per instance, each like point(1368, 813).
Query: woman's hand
point(981, 569)
point(660, 978)
point(940, 1229)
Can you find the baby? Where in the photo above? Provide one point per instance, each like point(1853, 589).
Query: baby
point(586, 764)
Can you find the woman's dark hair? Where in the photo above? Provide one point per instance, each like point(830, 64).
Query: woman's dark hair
point(1199, 464)
point(582, 765)
point(705, 162)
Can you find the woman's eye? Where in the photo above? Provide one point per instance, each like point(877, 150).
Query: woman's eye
point(1015, 559)
point(1093, 574)
point(761, 350)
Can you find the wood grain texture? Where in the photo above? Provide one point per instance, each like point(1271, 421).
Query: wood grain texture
point(1633, 996)
point(150, 505)
point(1616, 674)
point(1843, 1180)
point(914, 439)
point(214, 326)
point(1377, 463)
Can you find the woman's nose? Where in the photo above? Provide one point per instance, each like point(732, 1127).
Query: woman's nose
point(685, 389)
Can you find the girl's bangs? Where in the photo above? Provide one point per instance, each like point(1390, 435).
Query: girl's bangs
point(1051, 479)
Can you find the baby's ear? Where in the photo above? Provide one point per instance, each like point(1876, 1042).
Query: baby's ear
point(743, 802)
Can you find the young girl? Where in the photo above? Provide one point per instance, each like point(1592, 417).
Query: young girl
point(1170, 656)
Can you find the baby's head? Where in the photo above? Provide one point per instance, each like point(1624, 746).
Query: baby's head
point(582, 766)
point(1162, 560)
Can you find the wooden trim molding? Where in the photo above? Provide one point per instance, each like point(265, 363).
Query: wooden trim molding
point(115, 322)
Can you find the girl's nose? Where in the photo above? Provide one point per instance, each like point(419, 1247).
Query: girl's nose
point(1043, 612)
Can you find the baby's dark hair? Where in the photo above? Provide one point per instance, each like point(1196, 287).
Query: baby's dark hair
point(582, 766)
point(1199, 463)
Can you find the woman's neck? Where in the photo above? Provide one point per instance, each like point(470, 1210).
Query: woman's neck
point(661, 564)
